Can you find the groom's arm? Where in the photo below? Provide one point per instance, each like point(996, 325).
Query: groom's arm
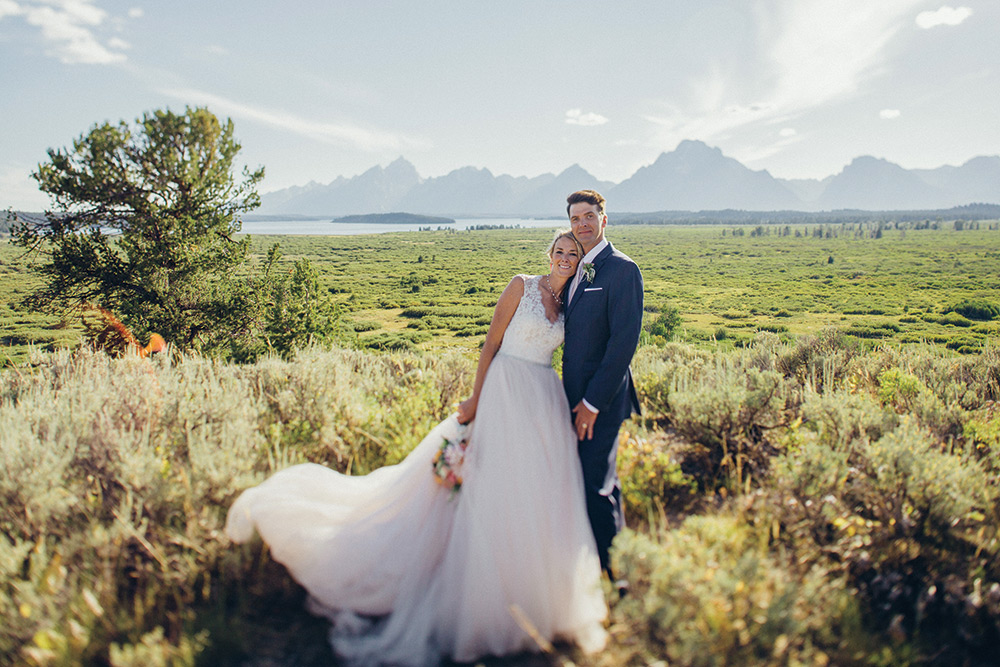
point(625, 324)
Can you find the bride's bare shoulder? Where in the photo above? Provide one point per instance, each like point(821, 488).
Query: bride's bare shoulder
point(517, 283)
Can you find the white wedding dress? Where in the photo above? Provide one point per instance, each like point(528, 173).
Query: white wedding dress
point(411, 573)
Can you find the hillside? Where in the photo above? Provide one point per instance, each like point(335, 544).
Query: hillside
point(394, 219)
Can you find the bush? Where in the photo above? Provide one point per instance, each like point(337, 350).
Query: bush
point(977, 310)
point(953, 319)
point(662, 328)
point(898, 388)
point(446, 311)
point(727, 410)
point(652, 481)
point(298, 314)
point(872, 329)
point(983, 438)
point(656, 368)
point(921, 489)
point(362, 326)
point(818, 361)
point(396, 340)
point(966, 344)
point(913, 525)
point(472, 331)
point(711, 593)
point(845, 417)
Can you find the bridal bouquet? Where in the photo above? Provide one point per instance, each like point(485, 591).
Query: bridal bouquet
point(447, 463)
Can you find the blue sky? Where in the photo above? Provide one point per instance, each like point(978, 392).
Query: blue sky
point(522, 87)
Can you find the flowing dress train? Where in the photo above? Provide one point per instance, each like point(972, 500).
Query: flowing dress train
point(409, 572)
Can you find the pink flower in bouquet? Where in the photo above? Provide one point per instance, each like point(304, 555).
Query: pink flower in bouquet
point(447, 463)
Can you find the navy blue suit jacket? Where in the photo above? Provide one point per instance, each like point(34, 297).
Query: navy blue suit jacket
point(603, 322)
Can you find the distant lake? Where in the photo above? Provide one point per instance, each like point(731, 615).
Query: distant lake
point(327, 228)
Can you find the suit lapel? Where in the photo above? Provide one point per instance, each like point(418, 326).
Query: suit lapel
point(601, 256)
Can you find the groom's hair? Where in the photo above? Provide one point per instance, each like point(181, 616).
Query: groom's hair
point(588, 196)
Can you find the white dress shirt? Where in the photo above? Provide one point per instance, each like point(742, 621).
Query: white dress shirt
point(589, 257)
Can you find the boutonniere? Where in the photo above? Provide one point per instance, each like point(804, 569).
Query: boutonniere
point(589, 272)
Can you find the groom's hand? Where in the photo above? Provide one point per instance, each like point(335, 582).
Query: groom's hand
point(584, 423)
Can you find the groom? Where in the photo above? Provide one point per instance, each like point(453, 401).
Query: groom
point(603, 319)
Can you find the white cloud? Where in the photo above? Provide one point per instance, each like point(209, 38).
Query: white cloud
point(331, 133)
point(80, 11)
point(590, 119)
point(888, 114)
point(826, 49)
point(810, 54)
point(68, 28)
point(944, 16)
point(136, 13)
point(9, 8)
point(748, 154)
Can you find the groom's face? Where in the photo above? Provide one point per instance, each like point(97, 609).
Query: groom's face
point(588, 224)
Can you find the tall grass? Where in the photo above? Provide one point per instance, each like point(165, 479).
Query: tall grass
point(806, 502)
point(877, 468)
point(117, 475)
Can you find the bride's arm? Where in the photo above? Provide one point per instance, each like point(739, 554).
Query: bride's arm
point(502, 315)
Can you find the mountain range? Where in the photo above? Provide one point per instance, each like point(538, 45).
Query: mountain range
point(693, 177)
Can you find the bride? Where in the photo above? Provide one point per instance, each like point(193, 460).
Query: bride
point(411, 572)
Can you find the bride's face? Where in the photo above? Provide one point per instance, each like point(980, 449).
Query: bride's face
point(565, 257)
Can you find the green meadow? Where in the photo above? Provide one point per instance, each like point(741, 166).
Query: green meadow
point(813, 480)
point(432, 289)
point(436, 289)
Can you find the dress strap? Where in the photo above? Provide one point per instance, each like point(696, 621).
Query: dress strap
point(531, 288)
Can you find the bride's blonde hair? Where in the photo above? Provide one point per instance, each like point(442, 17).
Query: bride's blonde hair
point(564, 234)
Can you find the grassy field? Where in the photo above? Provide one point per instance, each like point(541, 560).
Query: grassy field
point(814, 479)
point(436, 289)
point(725, 287)
point(20, 328)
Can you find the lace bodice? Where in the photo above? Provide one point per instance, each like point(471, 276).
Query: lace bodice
point(530, 335)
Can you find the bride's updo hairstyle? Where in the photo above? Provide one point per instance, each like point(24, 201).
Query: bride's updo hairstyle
point(565, 234)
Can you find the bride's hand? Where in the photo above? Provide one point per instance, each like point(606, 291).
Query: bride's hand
point(467, 411)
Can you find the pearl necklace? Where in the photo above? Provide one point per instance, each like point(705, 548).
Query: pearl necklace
point(548, 286)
